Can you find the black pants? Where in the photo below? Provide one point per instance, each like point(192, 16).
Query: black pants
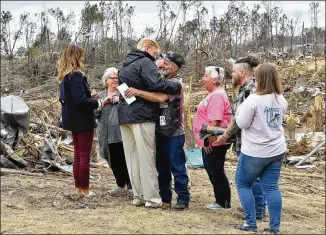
point(118, 165)
point(214, 165)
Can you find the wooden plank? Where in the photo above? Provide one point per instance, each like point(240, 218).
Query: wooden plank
point(5, 171)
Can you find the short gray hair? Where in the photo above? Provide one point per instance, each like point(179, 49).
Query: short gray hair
point(107, 73)
point(216, 73)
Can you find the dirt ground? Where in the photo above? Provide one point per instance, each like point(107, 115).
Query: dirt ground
point(50, 204)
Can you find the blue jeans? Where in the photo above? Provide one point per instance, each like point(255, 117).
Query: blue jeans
point(268, 169)
point(259, 195)
point(170, 158)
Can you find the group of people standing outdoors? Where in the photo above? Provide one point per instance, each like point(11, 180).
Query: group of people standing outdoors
point(143, 142)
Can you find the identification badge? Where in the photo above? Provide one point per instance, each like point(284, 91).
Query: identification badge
point(162, 121)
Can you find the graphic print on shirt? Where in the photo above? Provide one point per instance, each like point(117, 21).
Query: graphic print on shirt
point(204, 102)
point(273, 117)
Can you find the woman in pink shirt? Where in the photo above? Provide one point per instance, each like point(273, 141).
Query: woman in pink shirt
point(214, 110)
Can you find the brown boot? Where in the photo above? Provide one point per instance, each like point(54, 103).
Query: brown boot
point(240, 215)
point(166, 206)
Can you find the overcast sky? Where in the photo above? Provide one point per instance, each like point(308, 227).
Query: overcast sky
point(146, 12)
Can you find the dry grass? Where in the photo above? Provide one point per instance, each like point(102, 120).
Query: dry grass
point(32, 205)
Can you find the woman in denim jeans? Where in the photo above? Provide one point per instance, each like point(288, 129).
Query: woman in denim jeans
point(263, 148)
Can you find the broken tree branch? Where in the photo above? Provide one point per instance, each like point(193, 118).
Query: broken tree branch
point(5, 171)
point(311, 153)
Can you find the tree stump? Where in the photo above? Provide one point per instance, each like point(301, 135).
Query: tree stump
point(291, 126)
point(318, 114)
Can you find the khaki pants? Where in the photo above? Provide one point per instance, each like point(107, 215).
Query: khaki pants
point(140, 149)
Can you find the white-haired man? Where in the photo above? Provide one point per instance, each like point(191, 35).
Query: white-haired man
point(138, 120)
point(160, 64)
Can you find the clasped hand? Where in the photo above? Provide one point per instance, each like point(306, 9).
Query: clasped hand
point(113, 100)
point(220, 140)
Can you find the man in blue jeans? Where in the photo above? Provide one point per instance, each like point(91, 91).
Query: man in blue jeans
point(243, 80)
point(170, 139)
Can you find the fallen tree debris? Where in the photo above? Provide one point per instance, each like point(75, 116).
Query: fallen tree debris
point(5, 171)
point(310, 154)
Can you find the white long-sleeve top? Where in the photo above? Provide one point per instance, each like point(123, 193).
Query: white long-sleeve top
point(260, 117)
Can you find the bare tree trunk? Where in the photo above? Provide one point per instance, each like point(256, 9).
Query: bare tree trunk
point(314, 6)
point(318, 114)
point(291, 127)
point(315, 49)
point(302, 39)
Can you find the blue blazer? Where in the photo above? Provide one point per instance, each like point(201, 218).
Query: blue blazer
point(77, 104)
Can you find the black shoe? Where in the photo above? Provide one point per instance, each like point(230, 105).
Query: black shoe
point(180, 206)
point(246, 228)
point(272, 231)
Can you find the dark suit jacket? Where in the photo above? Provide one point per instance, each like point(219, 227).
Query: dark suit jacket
point(77, 104)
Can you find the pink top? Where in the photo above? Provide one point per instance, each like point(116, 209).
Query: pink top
point(215, 107)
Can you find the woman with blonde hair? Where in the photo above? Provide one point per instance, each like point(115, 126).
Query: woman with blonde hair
point(108, 132)
point(78, 112)
point(263, 148)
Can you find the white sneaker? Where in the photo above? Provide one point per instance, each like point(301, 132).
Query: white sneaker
point(138, 202)
point(149, 204)
point(214, 206)
point(90, 194)
point(116, 191)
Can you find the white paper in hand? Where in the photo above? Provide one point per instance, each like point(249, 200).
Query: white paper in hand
point(122, 88)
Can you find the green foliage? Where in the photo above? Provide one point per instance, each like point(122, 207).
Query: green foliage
point(34, 51)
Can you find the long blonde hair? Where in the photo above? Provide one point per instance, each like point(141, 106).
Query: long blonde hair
point(71, 60)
